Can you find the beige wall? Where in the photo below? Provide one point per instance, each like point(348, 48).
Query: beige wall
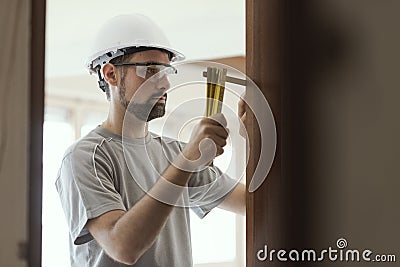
point(349, 128)
point(14, 106)
point(355, 152)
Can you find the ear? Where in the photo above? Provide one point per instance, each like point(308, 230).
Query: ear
point(110, 74)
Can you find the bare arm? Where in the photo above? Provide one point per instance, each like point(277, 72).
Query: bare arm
point(126, 235)
point(236, 201)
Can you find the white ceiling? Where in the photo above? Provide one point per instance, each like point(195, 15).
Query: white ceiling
point(200, 29)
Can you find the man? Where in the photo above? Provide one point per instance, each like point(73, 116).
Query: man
point(125, 191)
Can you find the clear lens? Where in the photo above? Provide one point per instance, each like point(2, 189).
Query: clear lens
point(141, 71)
point(158, 71)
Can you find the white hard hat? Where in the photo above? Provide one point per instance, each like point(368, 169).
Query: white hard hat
point(122, 33)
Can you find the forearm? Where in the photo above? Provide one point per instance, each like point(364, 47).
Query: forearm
point(136, 230)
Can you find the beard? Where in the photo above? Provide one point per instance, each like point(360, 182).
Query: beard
point(148, 111)
point(143, 111)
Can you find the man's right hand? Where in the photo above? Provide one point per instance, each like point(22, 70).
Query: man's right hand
point(207, 140)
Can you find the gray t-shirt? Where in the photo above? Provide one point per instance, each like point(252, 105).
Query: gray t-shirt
point(103, 172)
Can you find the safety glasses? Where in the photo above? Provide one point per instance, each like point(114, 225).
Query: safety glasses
point(151, 69)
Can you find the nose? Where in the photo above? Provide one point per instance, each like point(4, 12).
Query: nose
point(163, 83)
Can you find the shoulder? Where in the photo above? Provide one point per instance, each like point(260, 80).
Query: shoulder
point(90, 146)
point(85, 157)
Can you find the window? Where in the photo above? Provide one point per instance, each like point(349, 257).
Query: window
point(57, 136)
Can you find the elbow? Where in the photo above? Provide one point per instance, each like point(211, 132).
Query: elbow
point(125, 257)
point(128, 260)
point(127, 254)
point(122, 249)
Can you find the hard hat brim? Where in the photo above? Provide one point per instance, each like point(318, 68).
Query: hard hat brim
point(103, 57)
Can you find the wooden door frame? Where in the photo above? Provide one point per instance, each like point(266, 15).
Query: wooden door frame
point(264, 67)
point(36, 119)
point(262, 72)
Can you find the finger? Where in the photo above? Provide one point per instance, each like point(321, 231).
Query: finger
point(243, 118)
point(218, 118)
point(242, 129)
point(221, 131)
point(241, 107)
point(220, 151)
point(219, 141)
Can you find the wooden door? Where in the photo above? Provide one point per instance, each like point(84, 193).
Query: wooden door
point(329, 70)
point(21, 119)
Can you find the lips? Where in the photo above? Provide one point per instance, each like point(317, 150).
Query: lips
point(161, 98)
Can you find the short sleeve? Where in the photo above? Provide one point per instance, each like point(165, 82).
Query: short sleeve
point(86, 188)
point(208, 188)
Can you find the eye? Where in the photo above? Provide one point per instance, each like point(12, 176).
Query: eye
point(152, 70)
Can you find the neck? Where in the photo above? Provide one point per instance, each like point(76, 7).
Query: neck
point(120, 121)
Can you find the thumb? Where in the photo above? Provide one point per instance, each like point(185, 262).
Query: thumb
point(219, 118)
